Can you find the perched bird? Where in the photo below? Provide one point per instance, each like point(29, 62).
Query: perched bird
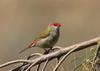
point(47, 38)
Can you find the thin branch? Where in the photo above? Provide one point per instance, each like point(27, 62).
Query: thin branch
point(35, 54)
point(64, 57)
point(75, 48)
point(44, 67)
point(31, 65)
point(38, 67)
point(13, 62)
point(64, 50)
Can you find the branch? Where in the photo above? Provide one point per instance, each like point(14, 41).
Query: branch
point(44, 67)
point(15, 61)
point(63, 51)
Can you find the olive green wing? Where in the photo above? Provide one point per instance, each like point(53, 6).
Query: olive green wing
point(45, 33)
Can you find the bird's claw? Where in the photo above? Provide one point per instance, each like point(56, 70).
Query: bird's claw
point(46, 51)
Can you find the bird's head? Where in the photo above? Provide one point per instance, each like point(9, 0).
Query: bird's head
point(54, 28)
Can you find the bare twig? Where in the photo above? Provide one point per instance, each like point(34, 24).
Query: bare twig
point(31, 65)
point(38, 67)
point(66, 51)
point(65, 56)
point(35, 54)
point(56, 47)
point(15, 61)
point(44, 67)
point(77, 46)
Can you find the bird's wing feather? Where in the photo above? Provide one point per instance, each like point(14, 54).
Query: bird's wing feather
point(43, 34)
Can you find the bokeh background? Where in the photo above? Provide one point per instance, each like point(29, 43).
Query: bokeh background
point(21, 20)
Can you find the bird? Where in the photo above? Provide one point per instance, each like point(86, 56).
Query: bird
point(47, 38)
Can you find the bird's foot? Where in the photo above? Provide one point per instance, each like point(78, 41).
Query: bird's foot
point(52, 49)
point(46, 51)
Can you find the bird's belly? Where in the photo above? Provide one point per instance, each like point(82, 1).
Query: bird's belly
point(47, 42)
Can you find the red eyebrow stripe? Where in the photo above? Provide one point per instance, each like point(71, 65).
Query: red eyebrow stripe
point(33, 43)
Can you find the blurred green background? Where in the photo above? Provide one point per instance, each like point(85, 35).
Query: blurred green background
point(21, 20)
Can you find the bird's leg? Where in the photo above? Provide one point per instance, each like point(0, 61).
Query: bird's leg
point(46, 51)
point(51, 49)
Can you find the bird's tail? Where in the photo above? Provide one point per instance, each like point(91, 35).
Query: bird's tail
point(23, 50)
point(32, 44)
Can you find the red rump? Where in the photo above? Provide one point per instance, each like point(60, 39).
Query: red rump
point(33, 43)
point(55, 24)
